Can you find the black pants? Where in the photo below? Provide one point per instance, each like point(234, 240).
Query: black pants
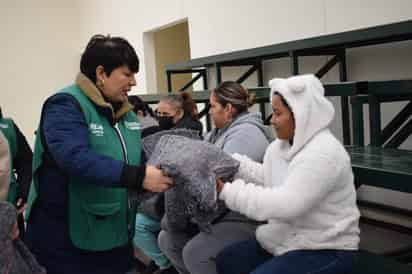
point(22, 227)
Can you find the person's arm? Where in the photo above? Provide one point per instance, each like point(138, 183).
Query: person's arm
point(65, 135)
point(307, 184)
point(22, 164)
point(66, 138)
point(4, 167)
point(249, 170)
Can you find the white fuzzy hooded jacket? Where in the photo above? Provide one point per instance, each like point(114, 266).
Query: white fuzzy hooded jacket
point(305, 191)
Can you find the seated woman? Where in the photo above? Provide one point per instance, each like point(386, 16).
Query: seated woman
point(173, 111)
point(304, 189)
point(236, 131)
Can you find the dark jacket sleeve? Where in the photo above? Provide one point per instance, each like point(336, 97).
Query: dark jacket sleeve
point(22, 164)
point(66, 138)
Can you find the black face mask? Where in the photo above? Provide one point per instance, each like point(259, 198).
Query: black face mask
point(166, 122)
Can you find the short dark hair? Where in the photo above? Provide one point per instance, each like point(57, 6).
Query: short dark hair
point(109, 52)
point(230, 92)
point(139, 105)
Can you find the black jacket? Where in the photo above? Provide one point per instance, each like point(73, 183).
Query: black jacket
point(188, 123)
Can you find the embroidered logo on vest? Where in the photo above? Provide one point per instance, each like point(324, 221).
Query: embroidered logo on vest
point(4, 125)
point(132, 125)
point(96, 129)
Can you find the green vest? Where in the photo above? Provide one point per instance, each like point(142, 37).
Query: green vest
point(100, 218)
point(7, 127)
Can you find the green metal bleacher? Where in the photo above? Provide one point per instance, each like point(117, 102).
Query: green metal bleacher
point(335, 45)
point(380, 164)
point(376, 166)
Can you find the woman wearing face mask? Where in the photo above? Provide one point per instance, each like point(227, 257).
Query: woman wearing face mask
point(236, 131)
point(178, 111)
point(173, 111)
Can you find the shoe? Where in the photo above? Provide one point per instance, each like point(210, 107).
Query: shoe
point(151, 268)
point(139, 265)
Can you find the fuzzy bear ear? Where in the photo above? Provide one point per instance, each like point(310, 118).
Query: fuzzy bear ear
point(274, 82)
point(274, 85)
point(296, 84)
point(317, 84)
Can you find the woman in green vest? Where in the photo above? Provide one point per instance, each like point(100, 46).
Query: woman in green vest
point(20, 166)
point(87, 161)
point(4, 167)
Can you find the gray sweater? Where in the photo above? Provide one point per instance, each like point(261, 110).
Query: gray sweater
point(246, 135)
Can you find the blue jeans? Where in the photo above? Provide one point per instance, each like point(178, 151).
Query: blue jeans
point(145, 238)
point(249, 257)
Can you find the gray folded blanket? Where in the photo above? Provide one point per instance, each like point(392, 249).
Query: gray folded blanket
point(194, 166)
point(152, 204)
point(15, 258)
point(149, 143)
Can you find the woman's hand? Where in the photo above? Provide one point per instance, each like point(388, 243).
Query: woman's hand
point(155, 181)
point(219, 185)
point(21, 206)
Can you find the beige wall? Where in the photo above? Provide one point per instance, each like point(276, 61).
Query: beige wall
point(131, 19)
point(39, 53)
point(43, 40)
point(171, 46)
